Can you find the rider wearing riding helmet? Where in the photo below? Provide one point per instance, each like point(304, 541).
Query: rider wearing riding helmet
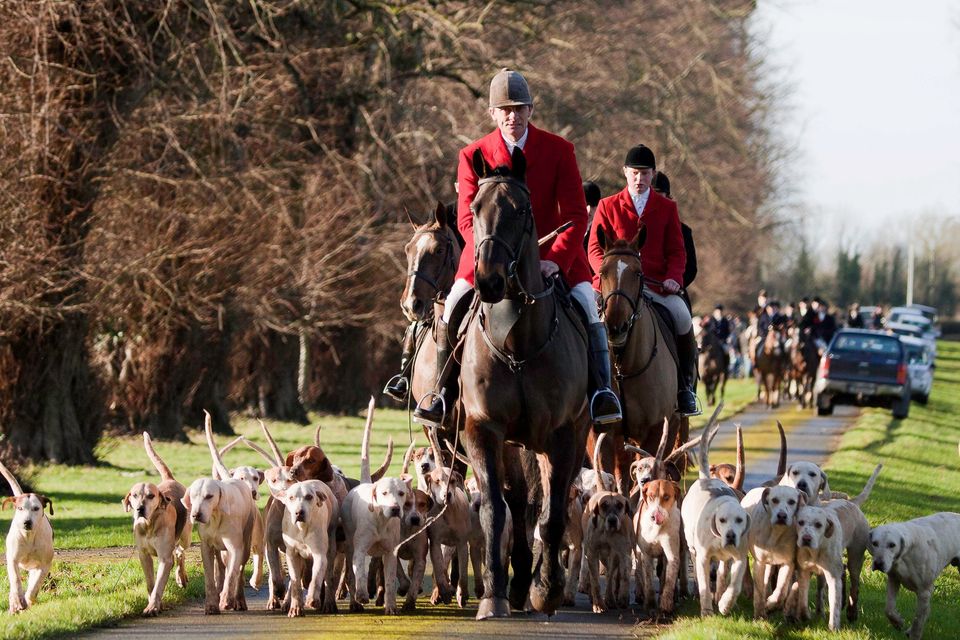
point(663, 257)
point(556, 197)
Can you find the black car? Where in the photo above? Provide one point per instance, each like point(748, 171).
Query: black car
point(865, 368)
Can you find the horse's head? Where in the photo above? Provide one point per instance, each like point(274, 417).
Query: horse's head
point(621, 283)
point(432, 258)
point(503, 226)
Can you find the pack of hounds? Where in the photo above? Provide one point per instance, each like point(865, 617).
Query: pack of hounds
point(344, 536)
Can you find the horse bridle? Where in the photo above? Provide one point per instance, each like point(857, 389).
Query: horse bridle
point(416, 274)
point(512, 252)
point(634, 302)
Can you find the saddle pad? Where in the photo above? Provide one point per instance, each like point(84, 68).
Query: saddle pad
point(667, 328)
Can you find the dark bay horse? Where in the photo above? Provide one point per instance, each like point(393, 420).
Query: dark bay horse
point(433, 254)
point(644, 370)
point(772, 363)
point(804, 360)
point(714, 363)
point(523, 381)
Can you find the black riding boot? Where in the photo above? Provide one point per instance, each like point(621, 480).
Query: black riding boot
point(399, 385)
point(687, 393)
point(604, 404)
point(441, 402)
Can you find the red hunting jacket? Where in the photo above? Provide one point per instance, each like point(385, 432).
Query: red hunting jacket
point(662, 255)
point(556, 195)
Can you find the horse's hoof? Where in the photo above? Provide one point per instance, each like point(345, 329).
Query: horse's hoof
point(493, 608)
point(546, 599)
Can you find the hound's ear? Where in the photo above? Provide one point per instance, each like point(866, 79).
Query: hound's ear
point(185, 500)
point(456, 478)
point(480, 166)
point(801, 499)
point(430, 502)
point(125, 502)
point(825, 485)
point(713, 470)
point(601, 238)
point(640, 239)
point(764, 497)
point(747, 526)
point(713, 526)
point(440, 215)
point(676, 487)
point(7, 501)
point(407, 479)
point(320, 496)
point(672, 471)
point(288, 462)
point(373, 498)
point(47, 502)
point(260, 477)
point(828, 532)
point(519, 162)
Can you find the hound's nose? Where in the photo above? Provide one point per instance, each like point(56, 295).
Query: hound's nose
point(301, 516)
point(393, 512)
point(141, 511)
point(781, 518)
point(425, 467)
point(612, 522)
point(802, 485)
point(415, 521)
point(806, 540)
point(731, 538)
point(28, 525)
point(877, 566)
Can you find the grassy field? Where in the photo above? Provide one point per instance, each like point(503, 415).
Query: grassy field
point(921, 475)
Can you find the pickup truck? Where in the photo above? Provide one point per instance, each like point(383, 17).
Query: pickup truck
point(865, 368)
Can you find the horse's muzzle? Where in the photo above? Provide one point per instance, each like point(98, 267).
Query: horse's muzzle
point(492, 288)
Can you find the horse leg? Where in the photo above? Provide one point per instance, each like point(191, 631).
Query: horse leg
point(556, 472)
point(521, 557)
point(485, 446)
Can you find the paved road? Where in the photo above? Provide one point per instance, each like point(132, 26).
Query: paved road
point(809, 438)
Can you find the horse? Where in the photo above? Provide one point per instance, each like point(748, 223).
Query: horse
point(644, 370)
point(714, 363)
point(523, 381)
point(433, 253)
point(804, 360)
point(771, 366)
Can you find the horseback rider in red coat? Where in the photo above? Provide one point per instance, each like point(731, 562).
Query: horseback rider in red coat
point(663, 256)
point(556, 197)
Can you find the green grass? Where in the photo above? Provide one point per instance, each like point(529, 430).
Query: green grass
point(80, 595)
point(740, 392)
point(921, 475)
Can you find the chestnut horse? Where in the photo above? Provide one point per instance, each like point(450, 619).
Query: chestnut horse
point(644, 370)
point(523, 381)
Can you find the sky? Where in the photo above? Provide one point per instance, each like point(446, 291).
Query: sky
point(873, 107)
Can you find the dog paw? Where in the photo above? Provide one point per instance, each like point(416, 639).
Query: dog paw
point(211, 609)
point(462, 598)
point(390, 610)
point(151, 610)
point(409, 605)
point(295, 610)
point(599, 607)
point(362, 596)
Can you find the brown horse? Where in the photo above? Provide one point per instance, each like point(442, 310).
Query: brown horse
point(433, 254)
point(714, 362)
point(644, 370)
point(804, 360)
point(523, 381)
point(772, 363)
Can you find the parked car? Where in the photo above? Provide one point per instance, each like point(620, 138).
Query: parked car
point(918, 314)
point(865, 368)
point(869, 314)
point(914, 329)
point(919, 368)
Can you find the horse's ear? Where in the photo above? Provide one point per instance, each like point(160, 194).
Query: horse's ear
point(601, 238)
point(441, 214)
point(480, 166)
point(519, 162)
point(640, 239)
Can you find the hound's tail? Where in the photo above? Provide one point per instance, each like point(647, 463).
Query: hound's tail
point(738, 478)
point(863, 495)
point(161, 467)
point(14, 485)
point(597, 468)
point(782, 464)
point(706, 439)
point(365, 445)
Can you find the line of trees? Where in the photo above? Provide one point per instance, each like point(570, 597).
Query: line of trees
point(202, 203)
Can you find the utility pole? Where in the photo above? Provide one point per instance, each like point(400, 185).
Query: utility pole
point(910, 256)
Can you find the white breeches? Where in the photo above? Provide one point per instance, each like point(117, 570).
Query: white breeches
point(678, 311)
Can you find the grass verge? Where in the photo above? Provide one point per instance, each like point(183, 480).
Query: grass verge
point(921, 475)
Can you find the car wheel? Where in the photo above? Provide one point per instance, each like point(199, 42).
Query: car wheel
point(901, 408)
point(824, 406)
